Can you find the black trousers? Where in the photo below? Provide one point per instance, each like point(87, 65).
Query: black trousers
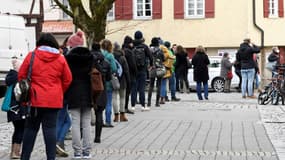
point(19, 126)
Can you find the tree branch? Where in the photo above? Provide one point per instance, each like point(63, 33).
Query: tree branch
point(64, 8)
point(122, 28)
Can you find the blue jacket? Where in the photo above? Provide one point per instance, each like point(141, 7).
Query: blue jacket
point(111, 59)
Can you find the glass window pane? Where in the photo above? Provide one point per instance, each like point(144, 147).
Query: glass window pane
point(147, 6)
point(148, 13)
point(191, 12)
point(200, 12)
point(139, 13)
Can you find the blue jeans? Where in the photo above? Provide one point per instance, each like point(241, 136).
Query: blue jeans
point(108, 110)
point(247, 81)
point(63, 123)
point(172, 83)
point(163, 87)
point(199, 90)
point(139, 86)
point(47, 118)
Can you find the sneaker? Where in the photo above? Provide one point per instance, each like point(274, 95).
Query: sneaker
point(145, 109)
point(129, 111)
point(76, 156)
point(108, 125)
point(175, 99)
point(133, 108)
point(86, 156)
point(60, 151)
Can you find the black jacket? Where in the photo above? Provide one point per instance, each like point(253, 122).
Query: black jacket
point(245, 55)
point(181, 65)
point(78, 94)
point(138, 42)
point(125, 81)
point(129, 54)
point(200, 62)
point(17, 113)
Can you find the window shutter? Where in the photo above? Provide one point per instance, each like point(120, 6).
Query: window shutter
point(127, 9)
point(265, 8)
point(157, 9)
point(178, 9)
point(281, 8)
point(119, 9)
point(209, 8)
point(123, 9)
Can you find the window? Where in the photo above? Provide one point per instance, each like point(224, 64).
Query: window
point(273, 8)
point(111, 14)
point(143, 9)
point(194, 8)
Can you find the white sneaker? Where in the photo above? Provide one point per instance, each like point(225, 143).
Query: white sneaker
point(133, 108)
point(145, 109)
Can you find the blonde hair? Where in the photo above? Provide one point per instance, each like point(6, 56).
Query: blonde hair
point(200, 49)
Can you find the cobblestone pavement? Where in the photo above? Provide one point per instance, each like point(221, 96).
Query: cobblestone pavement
point(226, 127)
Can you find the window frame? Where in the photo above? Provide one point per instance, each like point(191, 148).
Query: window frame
point(135, 9)
point(272, 9)
point(195, 15)
point(111, 17)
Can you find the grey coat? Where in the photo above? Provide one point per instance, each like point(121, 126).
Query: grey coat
point(226, 66)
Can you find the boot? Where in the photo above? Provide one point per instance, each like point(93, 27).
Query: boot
point(60, 150)
point(162, 100)
point(157, 101)
point(98, 131)
point(116, 119)
point(123, 117)
point(14, 154)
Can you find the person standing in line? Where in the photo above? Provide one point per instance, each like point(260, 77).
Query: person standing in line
point(63, 119)
point(181, 68)
point(16, 115)
point(168, 63)
point(78, 95)
point(246, 51)
point(226, 66)
point(119, 109)
point(50, 78)
point(107, 51)
point(200, 62)
point(158, 58)
point(141, 61)
point(172, 79)
point(130, 57)
point(237, 66)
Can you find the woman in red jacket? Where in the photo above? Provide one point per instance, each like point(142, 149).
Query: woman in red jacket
point(50, 78)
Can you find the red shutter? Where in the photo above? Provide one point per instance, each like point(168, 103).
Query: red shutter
point(265, 8)
point(209, 8)
point(127, 9)
point(118, 9)
point(157, 9)
point(123, 9)
point(281, 8)
point(178, 9)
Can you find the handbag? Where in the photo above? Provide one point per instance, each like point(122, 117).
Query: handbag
point(7, 100)
point(230, 74)
point(160, 72)
point(115, 82)
point(25, 84)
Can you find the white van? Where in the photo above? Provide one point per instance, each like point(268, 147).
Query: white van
point(13, 43)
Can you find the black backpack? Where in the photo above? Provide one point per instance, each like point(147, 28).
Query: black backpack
point(102, 65)
point(158, 57)
point(140, 58)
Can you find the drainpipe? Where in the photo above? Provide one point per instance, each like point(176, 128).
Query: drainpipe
point(262, 54)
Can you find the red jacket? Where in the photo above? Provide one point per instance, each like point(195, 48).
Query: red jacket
point(50, 78)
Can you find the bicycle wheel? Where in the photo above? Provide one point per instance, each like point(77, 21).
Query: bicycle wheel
point(268, 98)
point(262, 98)
point(275, 97)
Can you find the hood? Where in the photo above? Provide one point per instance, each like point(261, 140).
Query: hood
point(79, 54)
point(243, 47)
point(47, 54)
point(138, 41)
point(117, 53)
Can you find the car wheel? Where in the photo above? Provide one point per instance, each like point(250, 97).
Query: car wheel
point(218, 84)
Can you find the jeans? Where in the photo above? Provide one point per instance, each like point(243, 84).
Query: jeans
point(163, 87)
point(81, 129)
point(247, 81)
point(108, 110)
point(139, 86)
point(172, 83)
point(47, 117)
point(63, 123)
point(199, 90)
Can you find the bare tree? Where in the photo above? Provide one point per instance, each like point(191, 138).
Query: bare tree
point(94, 25)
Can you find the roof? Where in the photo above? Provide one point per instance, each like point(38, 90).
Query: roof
point(58, 27)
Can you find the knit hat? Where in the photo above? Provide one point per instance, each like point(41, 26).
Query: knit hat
point(154, 41)
point(16, 64)
point(138, 35)
point(75, 39)
point(167, 44)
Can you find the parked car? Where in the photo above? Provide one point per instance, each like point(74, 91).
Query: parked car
point(216, 82)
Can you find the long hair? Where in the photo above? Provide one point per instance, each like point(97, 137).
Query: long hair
point(47, 39)
point(180, 49)
point(107, 45)
point(200, 49)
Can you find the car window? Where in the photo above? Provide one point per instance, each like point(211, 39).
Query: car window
point(214, 64)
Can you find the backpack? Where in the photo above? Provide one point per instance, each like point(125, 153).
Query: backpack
point(97, 83)
point(102, 65)
point(119, 72)
point(139, 56)
point(158, 57)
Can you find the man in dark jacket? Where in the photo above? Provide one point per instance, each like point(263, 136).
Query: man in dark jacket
point(245, 56)
point(139, 85)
